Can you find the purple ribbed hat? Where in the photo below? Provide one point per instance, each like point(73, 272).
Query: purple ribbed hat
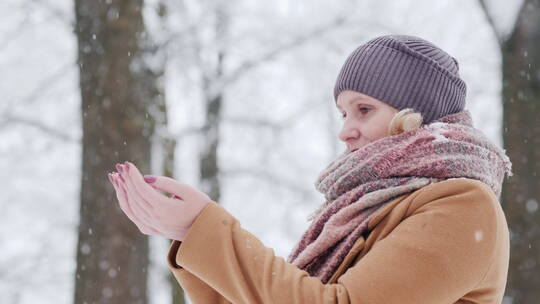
point(405, 72)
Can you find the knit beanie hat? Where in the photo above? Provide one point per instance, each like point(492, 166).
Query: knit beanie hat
point(405, 72)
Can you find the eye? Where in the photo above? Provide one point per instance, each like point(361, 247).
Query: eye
point(364, 110)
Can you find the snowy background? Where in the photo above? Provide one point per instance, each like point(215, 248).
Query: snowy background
point(40, 125)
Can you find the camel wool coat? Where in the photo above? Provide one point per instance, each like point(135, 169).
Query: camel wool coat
point(447, 242)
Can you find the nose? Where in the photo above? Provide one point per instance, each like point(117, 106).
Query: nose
point(348, 132)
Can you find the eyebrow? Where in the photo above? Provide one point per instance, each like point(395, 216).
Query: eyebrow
point(351, 101)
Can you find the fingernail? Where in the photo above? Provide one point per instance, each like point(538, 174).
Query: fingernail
point(113, 178)
point(149, 179)
point(119, 167)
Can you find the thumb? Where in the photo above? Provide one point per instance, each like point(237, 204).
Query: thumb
point(161, 185)
point(181, 190)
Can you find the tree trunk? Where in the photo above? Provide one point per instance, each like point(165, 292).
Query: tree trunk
point(521, 193)
point(167, 158)
point(112, 254)
point(209, 167)
point(168, 145)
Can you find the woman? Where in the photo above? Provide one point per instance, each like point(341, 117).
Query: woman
point(411, 212)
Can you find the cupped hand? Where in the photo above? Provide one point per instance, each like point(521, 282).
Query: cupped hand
point(151, 211)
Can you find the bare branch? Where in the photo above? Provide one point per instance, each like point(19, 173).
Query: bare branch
point(278, 126)
point(8, 119)
point(15, 33)
point(55, 12)
point(518, 18)
point(268, 177)
point(294, 43)
point(44, 85)
point(491, 22)
point(218, 84)
point(254, 122)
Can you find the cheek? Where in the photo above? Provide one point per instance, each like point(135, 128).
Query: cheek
point(380, 130)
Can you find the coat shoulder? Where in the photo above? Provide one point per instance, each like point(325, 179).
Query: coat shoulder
point(466, 188)
point(452, 230)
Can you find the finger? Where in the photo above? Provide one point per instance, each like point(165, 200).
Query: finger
point(128, 209)
point(110, 179)
point(120, 168)
point(161, 186)
point(150, 194)
point(150, 219)
point(183, 190)
point(164, 206)
point(139, 220)
point(120, 195)
point(157, 218)
point(173, 196)
point(137, 207)
point(176, 196)
point(145, 202)
point(123, 200)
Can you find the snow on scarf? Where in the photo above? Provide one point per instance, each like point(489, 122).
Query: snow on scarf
point(357, 184)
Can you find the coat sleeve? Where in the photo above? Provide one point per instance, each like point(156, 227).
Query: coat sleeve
point(438, 253)
point(198, 291)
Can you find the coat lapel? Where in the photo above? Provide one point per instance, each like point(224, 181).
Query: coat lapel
point(356, 248)
point(360, 244)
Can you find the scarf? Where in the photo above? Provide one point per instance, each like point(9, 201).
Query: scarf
point(357, 184)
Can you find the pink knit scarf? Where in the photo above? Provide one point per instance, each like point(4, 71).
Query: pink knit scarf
point(357, 184)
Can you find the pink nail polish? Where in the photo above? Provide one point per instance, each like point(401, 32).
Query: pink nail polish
point(149, 179)
point(119, 167)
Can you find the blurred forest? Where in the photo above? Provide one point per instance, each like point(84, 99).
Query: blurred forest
point(233, 97)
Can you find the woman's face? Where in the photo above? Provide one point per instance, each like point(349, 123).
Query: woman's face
point(366, 119)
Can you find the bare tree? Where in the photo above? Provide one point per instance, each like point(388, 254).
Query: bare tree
point(209, 61)
point(207, 56)
point(520, 52)
point(214, 79)
point(116, 91)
